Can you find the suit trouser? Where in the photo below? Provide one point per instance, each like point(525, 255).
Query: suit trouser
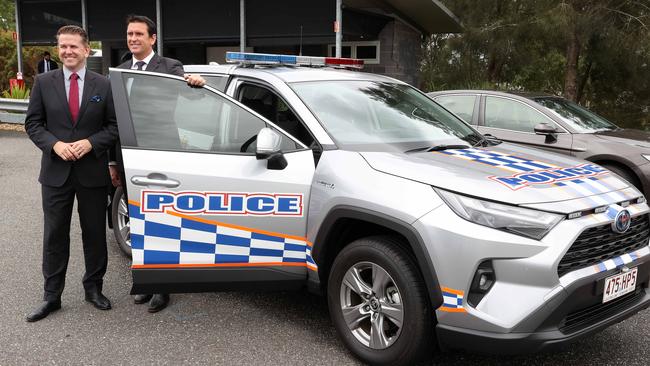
point(57, 212)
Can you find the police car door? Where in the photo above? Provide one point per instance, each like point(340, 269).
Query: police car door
point(205, 212)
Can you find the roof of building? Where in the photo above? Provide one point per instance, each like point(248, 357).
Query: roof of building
point(429, 16)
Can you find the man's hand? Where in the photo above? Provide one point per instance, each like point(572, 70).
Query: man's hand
point(194, 80)
point(65, 151)
point(81, 147)
point(115, 176)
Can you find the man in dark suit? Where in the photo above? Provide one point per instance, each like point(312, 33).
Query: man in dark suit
point(140, 38)
point(71, 118)
point(46, 64)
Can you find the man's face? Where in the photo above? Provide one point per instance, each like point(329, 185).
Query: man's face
point(138, 39)
point(72, 51)
point(47, 57)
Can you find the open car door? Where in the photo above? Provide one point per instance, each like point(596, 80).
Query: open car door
point(206, 212)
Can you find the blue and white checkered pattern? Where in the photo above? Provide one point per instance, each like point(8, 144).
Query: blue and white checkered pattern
point(620, 261)
point(592, 187)
point(497, 159)
point(160, 238)
point(604, 266)
point(452, 300)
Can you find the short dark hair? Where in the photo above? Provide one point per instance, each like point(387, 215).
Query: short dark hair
point(46, 53)
point(151, 26)
point(73, 29)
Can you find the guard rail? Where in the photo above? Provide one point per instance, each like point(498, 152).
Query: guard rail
point(13, 110)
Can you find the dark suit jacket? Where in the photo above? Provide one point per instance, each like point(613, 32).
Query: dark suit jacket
point(163, 65)
point(48, 121)
point(41, 66)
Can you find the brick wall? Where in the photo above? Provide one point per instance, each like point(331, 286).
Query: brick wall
point(400, 50)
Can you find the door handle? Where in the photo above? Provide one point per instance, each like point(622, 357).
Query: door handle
point(139, 180)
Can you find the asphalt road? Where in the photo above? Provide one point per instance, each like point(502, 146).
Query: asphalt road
point(211, 328)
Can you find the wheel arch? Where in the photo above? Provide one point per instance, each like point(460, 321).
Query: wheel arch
point(624, 165)
point(344, 224)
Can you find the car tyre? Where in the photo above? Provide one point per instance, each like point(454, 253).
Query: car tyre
point(121, 225)
point(370, 281)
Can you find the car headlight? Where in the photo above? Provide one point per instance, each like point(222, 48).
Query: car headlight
point(522, 221)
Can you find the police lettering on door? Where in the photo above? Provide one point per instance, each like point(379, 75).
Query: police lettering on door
point(223, 203)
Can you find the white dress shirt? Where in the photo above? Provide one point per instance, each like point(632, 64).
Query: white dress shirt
point(146, 61)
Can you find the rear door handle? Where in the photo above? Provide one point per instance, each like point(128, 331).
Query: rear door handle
point(139, 180)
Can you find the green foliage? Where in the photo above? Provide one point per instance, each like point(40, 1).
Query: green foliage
point(7, 14)
point(524, 45)
point(9, 60)
point(20, 92)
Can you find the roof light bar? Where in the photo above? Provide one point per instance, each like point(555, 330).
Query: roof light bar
point(271, 59)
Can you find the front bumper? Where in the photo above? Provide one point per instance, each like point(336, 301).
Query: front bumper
point(529, 308)
point(523, 343)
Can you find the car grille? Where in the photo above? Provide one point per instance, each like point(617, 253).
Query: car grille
point(600, 243)
point(583, 317)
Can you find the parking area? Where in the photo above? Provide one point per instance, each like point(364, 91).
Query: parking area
point(211, 328)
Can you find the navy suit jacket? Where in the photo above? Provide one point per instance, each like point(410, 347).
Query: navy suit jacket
point(163, 65)
point(41, 66)
point(49, 120)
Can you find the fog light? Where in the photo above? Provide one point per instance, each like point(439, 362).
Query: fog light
point(481, 283)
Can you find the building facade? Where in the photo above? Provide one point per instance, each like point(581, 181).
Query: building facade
point(387, 34)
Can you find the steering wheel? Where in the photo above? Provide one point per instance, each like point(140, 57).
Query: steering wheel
point(247, 144)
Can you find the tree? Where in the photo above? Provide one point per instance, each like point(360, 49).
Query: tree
point(596, 52)
point(585, 23)
point(7, 15)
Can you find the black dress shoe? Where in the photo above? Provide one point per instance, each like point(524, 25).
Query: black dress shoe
point(158, 302)
point(141, 299)
point(98, 300)
point(43, 310)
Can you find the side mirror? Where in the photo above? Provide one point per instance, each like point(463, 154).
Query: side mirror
point(545, 129)
point(549, 131)
point(268, 148)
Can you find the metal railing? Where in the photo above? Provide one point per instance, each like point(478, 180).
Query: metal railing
point(13, 110)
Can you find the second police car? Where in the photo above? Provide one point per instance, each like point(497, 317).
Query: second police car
point(358, 186)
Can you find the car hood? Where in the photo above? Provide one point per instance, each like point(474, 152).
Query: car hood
point(511, 174)
point(626, 136)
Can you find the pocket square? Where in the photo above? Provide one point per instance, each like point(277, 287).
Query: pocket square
point(96, 99)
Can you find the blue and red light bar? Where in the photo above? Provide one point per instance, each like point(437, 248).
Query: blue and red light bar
point(270, 59)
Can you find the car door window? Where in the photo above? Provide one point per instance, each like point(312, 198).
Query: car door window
point(275, 109)
point(218, 82)
point(169, 115)
point(512, 115)
point(460, 105)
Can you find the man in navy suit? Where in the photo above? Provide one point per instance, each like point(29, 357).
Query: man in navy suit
point(46, 64)
point(141, 37)
point(71, 118)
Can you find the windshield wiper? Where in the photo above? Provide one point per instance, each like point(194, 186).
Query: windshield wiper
point(481, 140)
point(438, 148)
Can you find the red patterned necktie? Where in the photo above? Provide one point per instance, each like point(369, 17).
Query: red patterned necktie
point(73, 97)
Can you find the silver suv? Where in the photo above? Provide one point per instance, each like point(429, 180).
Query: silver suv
point(358, 186)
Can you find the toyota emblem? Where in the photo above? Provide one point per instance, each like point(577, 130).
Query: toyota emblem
point(621, 222)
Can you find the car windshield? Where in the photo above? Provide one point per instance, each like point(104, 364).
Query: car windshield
point(383, 116)
point(581, 119)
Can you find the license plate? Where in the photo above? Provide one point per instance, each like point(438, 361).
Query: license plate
point(619, 285)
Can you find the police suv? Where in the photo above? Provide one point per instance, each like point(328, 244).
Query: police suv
point(276, 177)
